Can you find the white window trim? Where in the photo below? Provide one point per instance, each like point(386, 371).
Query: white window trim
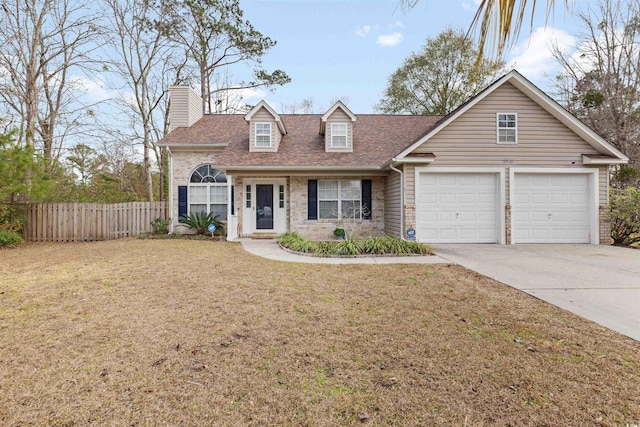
point(207, 185)
point(346, 135)
point(339, 200)
point(498, 128)
point(256, 134)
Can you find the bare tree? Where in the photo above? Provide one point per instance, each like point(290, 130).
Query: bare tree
point(600, 79)
point(216, 37)
point(306, 106)
point(149, 62)
point(45, 50)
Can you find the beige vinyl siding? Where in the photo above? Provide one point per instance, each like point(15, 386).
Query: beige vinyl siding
point(409, 184)
point(185, 107)
point(603, 176)
point(339, 116)
point(392, 205)
point(264, 116)
point(542, 140)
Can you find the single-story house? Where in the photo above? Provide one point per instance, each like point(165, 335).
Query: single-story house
point(508, 166)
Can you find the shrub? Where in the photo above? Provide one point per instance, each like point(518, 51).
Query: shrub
point(160, 225)
point(396, 246)
point(9, 238)
point(325, 249)
point(10, 220)
point(287, 239)
point(375, 245)
point(199, 221)
point(625, 216)
point(353, 247)
point(349, 247)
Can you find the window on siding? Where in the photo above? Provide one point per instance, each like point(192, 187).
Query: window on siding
point(338, 135)
point(339, 199)
point(507, 128)
point(263, 134)
point(208, 192)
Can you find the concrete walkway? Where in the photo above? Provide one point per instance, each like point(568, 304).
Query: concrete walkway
point(270, 249)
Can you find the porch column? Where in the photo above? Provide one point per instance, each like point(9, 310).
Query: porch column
point(232, 218)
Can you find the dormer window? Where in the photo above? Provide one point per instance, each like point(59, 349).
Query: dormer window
point(339, 135)
point(337, 127)
point(507, 128)
point(263, 134)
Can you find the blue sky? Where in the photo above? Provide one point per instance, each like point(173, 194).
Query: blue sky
point(349, 48)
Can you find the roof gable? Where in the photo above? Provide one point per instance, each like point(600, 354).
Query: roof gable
point(334, 107)
point(276, 116)
point(537, 96)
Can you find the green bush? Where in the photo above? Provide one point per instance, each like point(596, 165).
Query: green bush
point(625, 216)
point(353, 247)
point(9, 238)
point(10, 220)
point(375, 245)
point(160, 225)
point(199, 221)
point(348, 247)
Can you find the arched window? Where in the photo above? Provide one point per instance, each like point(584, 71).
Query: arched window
point(208, 192)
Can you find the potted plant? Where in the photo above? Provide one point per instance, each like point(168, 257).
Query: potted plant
point(339, 233)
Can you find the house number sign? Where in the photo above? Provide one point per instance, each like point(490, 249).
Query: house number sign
point(411, 234)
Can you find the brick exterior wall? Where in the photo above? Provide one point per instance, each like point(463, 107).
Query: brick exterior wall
point(322, 229)
point(409, 218)
point(507, 224)
point(605, 225)
point(184, 163)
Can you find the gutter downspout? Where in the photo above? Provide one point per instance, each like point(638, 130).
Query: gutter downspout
point(401, 197)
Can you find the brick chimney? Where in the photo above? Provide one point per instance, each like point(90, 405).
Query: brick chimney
point(185, 107)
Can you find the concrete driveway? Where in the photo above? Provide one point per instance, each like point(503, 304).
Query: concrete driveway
point(600, 283)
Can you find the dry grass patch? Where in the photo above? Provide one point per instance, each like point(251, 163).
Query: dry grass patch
point(147, 332)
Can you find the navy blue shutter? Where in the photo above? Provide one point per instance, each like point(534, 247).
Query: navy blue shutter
point(312, 199)
point(366, 199)
point(182, 201)
point(233, 200)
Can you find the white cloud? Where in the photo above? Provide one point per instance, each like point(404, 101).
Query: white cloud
point(396, 24)
point(389, 39)
point(534, 57)
point(95, 89)
point(253, 94)
point(471, 6)
point(363, 31)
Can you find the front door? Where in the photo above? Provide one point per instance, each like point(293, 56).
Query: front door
point(264, 206)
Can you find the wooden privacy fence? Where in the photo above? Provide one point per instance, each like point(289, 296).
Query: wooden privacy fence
point(83, 222)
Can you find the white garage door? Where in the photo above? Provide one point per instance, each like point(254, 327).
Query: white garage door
point(550, 208)
point(457, 208)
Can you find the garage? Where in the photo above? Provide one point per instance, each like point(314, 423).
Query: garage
point(551, 208)
point(458, 207)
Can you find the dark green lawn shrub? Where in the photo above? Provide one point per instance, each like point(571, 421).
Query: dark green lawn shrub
point(9, 238)
point(160, 225)
point(353, 247)
point(199, 221)
point(349, 247)
point(326, 248)
point(10, 219)
point(375, 245)
point(625, 216)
